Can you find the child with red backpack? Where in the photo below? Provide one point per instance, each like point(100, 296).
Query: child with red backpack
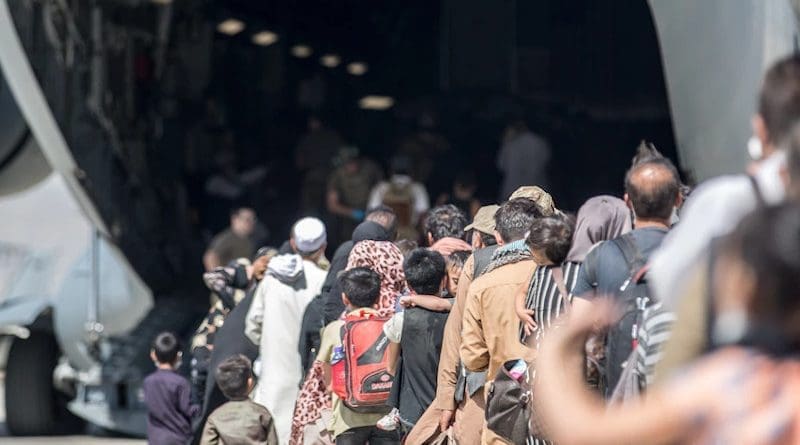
point(355, 353)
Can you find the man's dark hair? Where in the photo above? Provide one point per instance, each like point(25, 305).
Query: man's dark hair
point(457, 258)
point(446, 221)
point(384, 216)
point(653, 197)
point(514, 218)
point(232, 376)
point(424, 270)
point(553, 236)
point(779, 99)
point(361, 285)
point(240, 208)
point(486, 238)
point(166, 347)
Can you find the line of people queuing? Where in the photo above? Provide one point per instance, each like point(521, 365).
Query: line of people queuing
point(641, 319)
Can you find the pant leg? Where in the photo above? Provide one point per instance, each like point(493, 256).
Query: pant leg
point(201, 357)
point(379, 437)
point(426, 428)
point(354, 436)
point(470, 419)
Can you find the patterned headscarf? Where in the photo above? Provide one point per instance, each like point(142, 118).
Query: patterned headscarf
point(384, 258)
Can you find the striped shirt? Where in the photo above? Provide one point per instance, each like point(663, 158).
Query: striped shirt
point(545, 299)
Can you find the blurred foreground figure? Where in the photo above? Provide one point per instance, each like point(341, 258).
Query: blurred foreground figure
point(745, 392)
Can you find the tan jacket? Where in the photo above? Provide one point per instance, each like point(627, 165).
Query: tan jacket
point(490, 331)
point(451, 343)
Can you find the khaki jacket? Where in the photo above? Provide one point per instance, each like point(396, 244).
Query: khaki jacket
point(242, 422)
point(490, 331)
point(451, 343)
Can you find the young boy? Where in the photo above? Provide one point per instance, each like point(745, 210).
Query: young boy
point(167, 395)
point(417, 332)
point(360, 291)
point(240, 420)
point(455, 264)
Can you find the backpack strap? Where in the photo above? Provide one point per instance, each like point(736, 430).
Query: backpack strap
point(630, 251)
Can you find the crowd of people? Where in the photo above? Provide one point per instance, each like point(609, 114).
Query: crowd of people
point(661, 316)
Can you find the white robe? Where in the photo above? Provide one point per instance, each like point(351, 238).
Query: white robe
point(274, 323)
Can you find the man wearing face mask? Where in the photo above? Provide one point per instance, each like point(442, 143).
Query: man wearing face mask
point(679, 270)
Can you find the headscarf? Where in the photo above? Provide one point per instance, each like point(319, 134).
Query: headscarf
point(370, 230)
point(599, 219)
point(386, 260)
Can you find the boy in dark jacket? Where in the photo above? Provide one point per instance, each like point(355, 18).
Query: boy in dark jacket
point(167, 395)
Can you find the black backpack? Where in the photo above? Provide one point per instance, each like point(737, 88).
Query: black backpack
point(634, 298)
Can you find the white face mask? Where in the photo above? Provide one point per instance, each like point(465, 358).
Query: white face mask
point(754, 148)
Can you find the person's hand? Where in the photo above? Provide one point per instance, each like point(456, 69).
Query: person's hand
point(357, 215)
point(526, 317)
point(446, 419)
point(408, 301)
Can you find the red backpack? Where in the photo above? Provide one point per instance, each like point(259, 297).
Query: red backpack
point(359, 371)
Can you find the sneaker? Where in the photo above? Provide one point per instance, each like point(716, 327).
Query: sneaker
point(389, 422)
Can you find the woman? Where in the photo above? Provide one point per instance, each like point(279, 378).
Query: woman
point(745, 392)
point(384, 258)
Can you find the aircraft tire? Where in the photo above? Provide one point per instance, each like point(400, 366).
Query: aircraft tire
point(32, 407)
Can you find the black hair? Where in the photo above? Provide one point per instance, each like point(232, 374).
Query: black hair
point(553, 236)
point(384, 216)
point(457, 258)
point(166, 347)
point(406, 246)
point(424, 270)
point(446, 221)
point(779, 98)
point(514, 218)
point(487, 239)
point(767, 241)
point(465, 179)
point(361, 285)
point(653, 199)
point(400, 165)
point(232, 376)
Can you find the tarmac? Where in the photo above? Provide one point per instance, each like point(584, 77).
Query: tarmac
point(85, 439)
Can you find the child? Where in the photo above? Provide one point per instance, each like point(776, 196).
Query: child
point(455, 264)
point(417, 332)
point(240, 420)
point(360, 291)
point(167, 395)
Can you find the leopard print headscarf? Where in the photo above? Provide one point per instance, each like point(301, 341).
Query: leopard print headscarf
point(386, 260)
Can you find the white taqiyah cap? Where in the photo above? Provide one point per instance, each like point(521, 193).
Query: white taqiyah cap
point(309, 235)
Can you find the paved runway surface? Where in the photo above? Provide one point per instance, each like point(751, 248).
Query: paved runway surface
point(4, 439)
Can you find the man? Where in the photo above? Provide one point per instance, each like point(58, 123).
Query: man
point(331, 297)
point(232, 243)
point(274, 319)
point(444, 229)
point(463, 407)
point(523, 158)
point(408, 199)
point(652, 192)
point(312, 158)
point(490, 326)
point(349, 189)
point(481, 231)
point(679, 269)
